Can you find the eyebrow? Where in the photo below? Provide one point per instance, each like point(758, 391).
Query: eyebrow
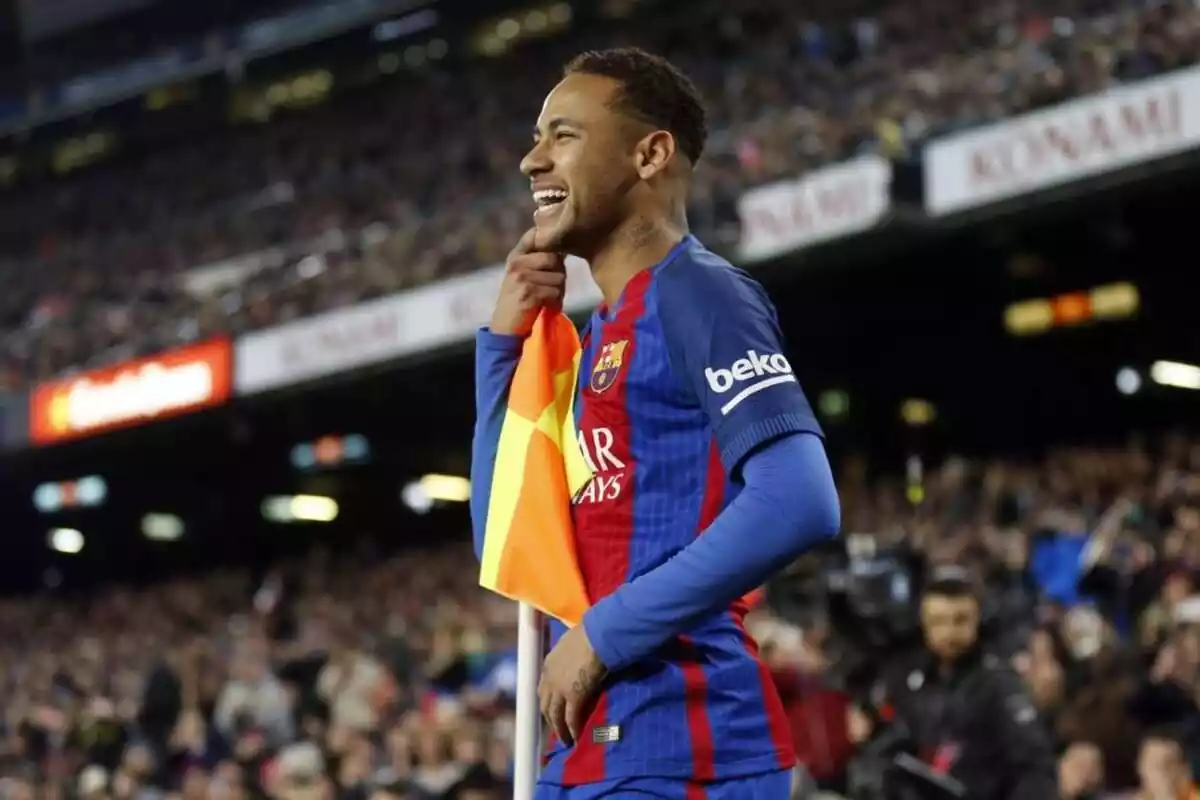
point(556, 123)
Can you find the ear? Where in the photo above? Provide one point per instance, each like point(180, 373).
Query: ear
point(654, 153)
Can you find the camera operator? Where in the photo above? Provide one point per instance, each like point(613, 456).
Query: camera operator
point(967, 715)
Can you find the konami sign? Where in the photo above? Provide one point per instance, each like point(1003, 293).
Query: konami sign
point(821, 205)
point(1083, 138)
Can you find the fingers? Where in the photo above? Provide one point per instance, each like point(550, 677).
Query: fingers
point(532, 295)
point(538, 280)
point(532, 280)
point(558, 720)
point(525, 244)
point(554, 711)
point(528, 243)
point(537, 262)
point(573, 713)
point(555, 280)
point(539, 241)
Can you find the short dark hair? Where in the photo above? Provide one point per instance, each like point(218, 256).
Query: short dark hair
point(1167, 734)
point(653, 90)
point(950, 581)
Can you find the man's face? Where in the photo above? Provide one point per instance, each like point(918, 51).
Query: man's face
point(138, 760)
point(950, 624)
point(1177, 588)
point(1081, 768)
point(248, 667)
point(581, 164)
point(1160, 765)
point(195, 784)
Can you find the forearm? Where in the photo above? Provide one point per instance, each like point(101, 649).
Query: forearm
point(788, 506)
point(496, 359)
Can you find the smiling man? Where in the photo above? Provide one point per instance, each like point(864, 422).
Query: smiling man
point(709, 468)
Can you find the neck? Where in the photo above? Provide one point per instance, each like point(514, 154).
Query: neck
point(948, 666)
point(637, 244)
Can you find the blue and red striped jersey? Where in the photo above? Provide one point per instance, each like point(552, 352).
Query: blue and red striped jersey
point(682, 378)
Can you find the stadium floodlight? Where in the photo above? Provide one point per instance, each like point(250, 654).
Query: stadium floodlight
point(423, 494)
point(300, 508)
point(86, 492)
point(304, 456)
point(91, 490)
point(277, 509)
point(162, 527)
point(917, 412)
point(66, 540)
point(47, 498)
point(833, 404)
point(313, 508)
point(1128, 380)
point(416, 498)
point(446, 488)
point(1175, 374)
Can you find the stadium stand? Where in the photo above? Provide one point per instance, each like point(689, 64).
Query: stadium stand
point(401, 670)
point(370, 663)
point(97, 269)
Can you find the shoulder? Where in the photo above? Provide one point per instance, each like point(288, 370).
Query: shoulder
point(907, 668)
point(1002, 683)
point(999, 671)
point(700, 283)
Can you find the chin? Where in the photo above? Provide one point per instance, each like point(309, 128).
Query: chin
point(555, 237)
point(549, 238)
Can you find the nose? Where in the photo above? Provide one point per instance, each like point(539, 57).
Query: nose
point(536, 161)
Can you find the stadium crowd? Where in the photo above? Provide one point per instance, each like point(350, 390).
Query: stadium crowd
point(393, 677)
point(390, 675)
point(417, 179)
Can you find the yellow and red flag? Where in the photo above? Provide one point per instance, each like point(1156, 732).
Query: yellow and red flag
point(529, 543)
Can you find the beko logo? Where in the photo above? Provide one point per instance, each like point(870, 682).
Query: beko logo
point(763, 370)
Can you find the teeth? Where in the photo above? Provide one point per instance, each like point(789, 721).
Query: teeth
point(545, 197)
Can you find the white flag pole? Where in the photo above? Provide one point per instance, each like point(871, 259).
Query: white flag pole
point(528, 733)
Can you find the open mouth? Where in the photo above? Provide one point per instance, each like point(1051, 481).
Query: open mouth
point(549, 200)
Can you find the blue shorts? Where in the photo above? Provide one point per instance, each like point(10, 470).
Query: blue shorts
point(766, 786)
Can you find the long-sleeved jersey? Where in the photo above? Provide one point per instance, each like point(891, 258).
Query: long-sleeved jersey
point(681, 381)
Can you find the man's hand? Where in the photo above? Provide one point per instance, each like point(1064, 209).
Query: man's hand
point(570, 677)
point(533, 280)
point(1166, 665)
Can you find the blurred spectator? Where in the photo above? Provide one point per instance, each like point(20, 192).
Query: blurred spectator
point(254, 710)
point(1081, 772)
point(355, 687)
point(1163, 769)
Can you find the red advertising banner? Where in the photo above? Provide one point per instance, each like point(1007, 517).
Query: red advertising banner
point(166, 385)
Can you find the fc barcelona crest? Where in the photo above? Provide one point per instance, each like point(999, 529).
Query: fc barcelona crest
point(608, 365)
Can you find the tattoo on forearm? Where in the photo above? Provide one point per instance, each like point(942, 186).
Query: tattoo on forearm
point(580, 686)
